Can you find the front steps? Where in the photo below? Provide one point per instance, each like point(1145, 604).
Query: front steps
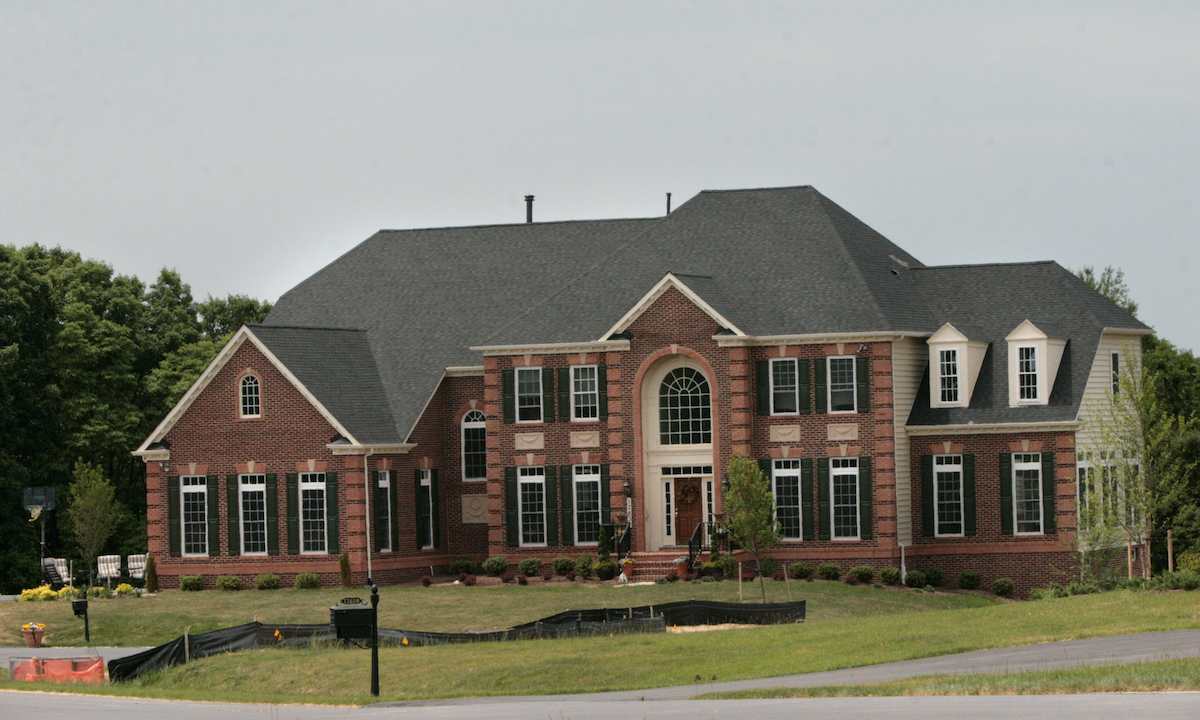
point(653, 565)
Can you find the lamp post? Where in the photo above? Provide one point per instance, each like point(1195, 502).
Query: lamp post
point(375, 640)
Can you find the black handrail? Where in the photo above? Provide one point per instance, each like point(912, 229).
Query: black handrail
point(620, 538)
point(696, 544)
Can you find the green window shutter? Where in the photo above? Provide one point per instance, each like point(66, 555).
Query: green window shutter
point(435, 508)
point(548, 395)
point(567, 484)
point(804, 386)
point(508, 391)
point(564, 394)
point(1049, 492)
point(510, 506)
point(764, 465)
point(212, 483)
point(806, 499)
point(232, 513)
point(293, 513)
point(928, 501)
point(395, 509)
point(605, 496)
point(331, 513)
point(864, 499)
point(379, 512)
point(174, 534)
point(823, 508)
point(1006, 494)
point(602, 389)
point(968, 488)
point(550, 504)
point(862, 375)
point(272, 514)
point(764, 386)
point(421, 500)
point(819, 369)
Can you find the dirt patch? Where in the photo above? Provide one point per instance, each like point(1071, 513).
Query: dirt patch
point(706, 628)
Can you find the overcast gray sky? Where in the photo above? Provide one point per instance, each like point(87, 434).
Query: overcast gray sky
point(248, 144)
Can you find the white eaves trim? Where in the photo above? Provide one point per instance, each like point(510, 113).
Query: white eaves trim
point(811, 338)
point(669, 280)
point(464, 371)
point(982, 428)
point(370, 448)
point(550, 349)
point(218, 363)
point(1128, 331)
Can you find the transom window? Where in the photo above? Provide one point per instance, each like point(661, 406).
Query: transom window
point(529, 394)
point(251, 398)
point(587, 504)
point(948, 476)
point(785, 482)
point(252, 489)
point(844, 480)
point(841, 385)
point(194, 496)
point(948, 375)
point(1027, 370)
point(313, 540)
point(585, 395)
point(531, 491)
point(474, 446)
point(785, 399)
point(425, 509)
point(1027, 492)
point(684, 408)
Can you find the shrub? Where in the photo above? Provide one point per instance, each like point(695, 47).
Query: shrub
point(124, 589)
point(572, 575)
point(562, 565)
point(426, 581)
point(344, 568)
point(800, 570)
point(728, 566)
point(933, 576)
point(100, 592)
point(1004, 587)
point(65, 593)
point(495, 566)
point(829, 571)
point(583, 566)
point(530, 566)
point(1189, 560)
point(602, 547)
point(38, 593)
point(605, 569)
point(1040, 594)
point(862, 573)
point(767, 566)
point(266, 581)
point(915, 579)
point(307, 581)
point(229, 582)
point(461, 565)
point(469, 580)
point(191, 583)
point(970, 580)
point(1189, 580)
point(708, 569)
point(1077, 588)
point(706, 578)
point(522, 579)
point(660, 581)
point(671, 576)
point(151, 574)
point(890, 575)
point(507, 576)
point(547, 576)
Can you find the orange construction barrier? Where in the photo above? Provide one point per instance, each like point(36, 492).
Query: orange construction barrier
point(59, 670)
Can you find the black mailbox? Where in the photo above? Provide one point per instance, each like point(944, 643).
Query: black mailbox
point(351, 621)
point(80, 607)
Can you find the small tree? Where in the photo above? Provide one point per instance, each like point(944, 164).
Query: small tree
point(750, 509)
point(92, 513)
point(151, 574)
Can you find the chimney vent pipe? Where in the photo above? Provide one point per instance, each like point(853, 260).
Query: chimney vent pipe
point(668, 203)
point(528, 208)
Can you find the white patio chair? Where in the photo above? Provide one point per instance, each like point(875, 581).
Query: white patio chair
point(108, 568)
point(137, 566)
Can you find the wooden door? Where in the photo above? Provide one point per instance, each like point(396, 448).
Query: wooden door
point(689, 508)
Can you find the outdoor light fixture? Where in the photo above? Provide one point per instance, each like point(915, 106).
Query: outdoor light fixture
point(628, 488)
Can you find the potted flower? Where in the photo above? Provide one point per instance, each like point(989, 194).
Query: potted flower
point(33, 633)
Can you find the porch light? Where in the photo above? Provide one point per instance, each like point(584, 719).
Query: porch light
point(628, 488)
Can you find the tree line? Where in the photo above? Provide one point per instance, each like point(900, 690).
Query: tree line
point(90, 363)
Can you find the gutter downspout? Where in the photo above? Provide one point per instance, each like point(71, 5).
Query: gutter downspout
point(367, 490)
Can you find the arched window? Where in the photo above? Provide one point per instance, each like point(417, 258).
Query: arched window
point(251, 401)
point(474, 446)
point(684, 408)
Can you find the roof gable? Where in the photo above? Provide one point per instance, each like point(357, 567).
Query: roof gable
point(671, 280)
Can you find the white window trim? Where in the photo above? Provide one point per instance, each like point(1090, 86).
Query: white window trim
point(540, 395)
point(596, 379)
point(958, 377)
point(1037, 376)
point(384, 478)
point(1036, 465)
point(833, 474)
point(242, 396)
point(202, 490)
point(1048, 353)
point(427, 482)
point(589, 477)
point(312, 484)
point(795, 391)
point(829, 384)
point(961, 500)
point(529, 480)
point(777, 472)
point(462, 445)
point(243, 487)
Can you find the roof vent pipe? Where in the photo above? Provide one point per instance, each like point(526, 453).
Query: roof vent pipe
point(528, 208)
point(668, 203)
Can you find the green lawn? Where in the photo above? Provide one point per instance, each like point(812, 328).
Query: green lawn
point(851, 626)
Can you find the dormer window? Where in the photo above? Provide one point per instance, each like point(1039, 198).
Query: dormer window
point(948, 375)
point(954, 362)
point(251, 400)
point(1034, 354)
point(1027, 373)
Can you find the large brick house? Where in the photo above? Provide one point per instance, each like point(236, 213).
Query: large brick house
point(504, 390)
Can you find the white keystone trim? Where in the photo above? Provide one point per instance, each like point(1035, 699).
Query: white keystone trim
point(668, 281)
point(218, 363)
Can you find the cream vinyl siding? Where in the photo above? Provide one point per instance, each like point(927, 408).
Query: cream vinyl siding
point(909, 358)
point(1099, 384)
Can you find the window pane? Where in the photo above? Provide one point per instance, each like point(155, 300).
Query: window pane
point(529, 394)
point(685, 413)
point(1027, 492)
point(425, 510)
point(845, 498)
point(787, 502)
point(1027, 373)
point(254, 514)
point(195, 522)
point(587, 504)
point(948, 489)
point(312, 516)
point(474, 453)
point(250, 396)
point(948, 375)
point(533, 517)
point(585, 398)
point(783, 386)
point(841, 384)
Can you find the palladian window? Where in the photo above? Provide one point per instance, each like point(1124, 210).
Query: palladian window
point(684, 408)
